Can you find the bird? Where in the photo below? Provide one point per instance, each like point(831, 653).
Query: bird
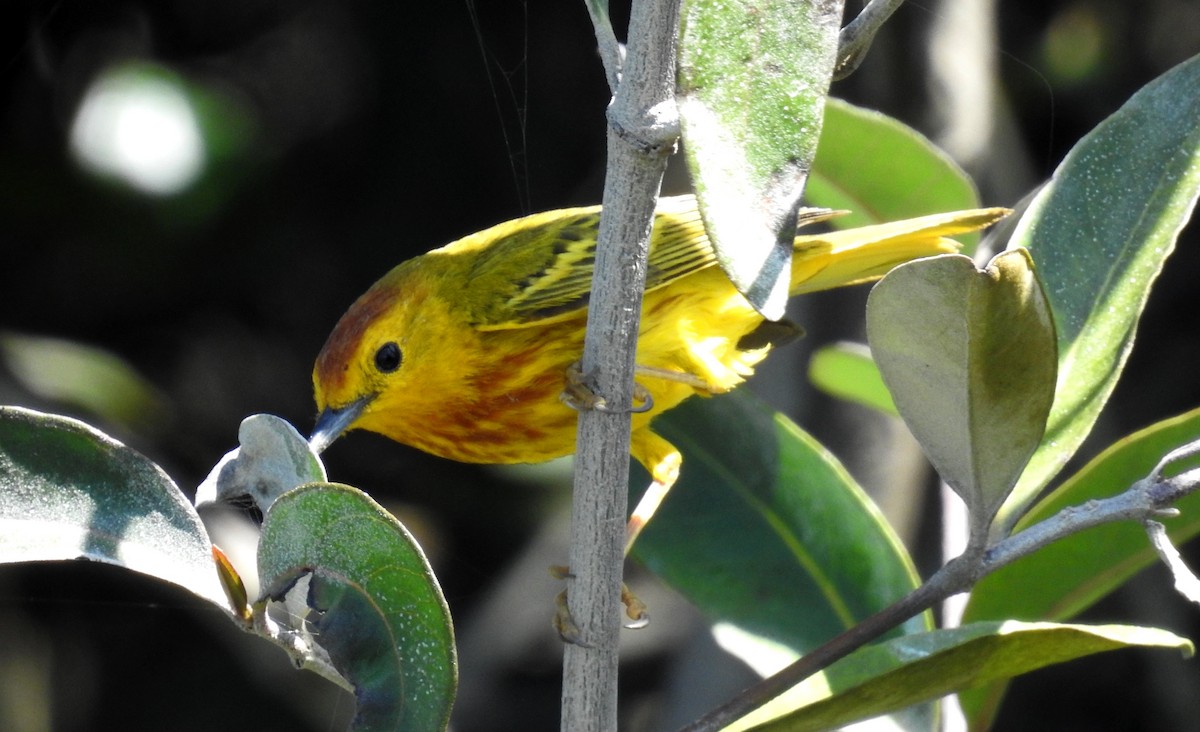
point(470, 351)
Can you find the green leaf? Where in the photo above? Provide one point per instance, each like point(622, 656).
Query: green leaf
point(847, 371)
point(381, 615)
point(1061, 580)
point(71, 492)
point(925, 666)
point(765, 529)
point(969, 358)
point(1099, 232)
point(752, 79)
point(879, 169)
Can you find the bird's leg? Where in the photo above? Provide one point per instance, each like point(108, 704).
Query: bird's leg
point(635, 609)
point(564, 623)
point(664, 473)
point(663, 461)
point(660, 458)
point(691, 380)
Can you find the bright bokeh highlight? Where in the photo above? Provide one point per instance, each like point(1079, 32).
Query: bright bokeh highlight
point(136, 124)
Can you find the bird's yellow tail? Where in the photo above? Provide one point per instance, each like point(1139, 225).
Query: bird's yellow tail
point(834, 259)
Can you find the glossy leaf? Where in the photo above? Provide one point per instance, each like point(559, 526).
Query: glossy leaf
point(68, 491)
point(1063, 579)
point(1099, 232)
point(880, 169)
point(968, 355)
point(847, 371)
point(926, 666)
point(765, 529)
point(752, 79)
point(381, 616)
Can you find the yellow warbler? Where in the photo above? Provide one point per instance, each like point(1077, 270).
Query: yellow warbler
point(464, 352)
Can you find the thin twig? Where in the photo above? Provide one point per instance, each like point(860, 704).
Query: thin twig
point(951, 579)
point(612, 53)
point(857, 36)
point(1146, 499)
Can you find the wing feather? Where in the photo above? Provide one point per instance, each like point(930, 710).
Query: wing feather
point(538, 269)
point(542, 264)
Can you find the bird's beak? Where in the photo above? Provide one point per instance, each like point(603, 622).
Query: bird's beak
point(333, 422)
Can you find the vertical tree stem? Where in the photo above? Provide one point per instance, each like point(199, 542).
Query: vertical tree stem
point(643, 128)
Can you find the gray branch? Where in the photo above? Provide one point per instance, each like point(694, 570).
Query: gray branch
point(643, 128)
point(1148, 499)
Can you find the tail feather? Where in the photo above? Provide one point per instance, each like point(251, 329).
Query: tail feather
point(823, 261)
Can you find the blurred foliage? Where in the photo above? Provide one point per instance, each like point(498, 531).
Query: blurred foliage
point(83, 377)
point(345, 137)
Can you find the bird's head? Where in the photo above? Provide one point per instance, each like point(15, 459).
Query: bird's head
point(387, 363)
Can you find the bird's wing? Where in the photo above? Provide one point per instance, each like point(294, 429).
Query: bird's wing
point(541, 265)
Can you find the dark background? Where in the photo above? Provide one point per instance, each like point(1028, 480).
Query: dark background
point(348, 136)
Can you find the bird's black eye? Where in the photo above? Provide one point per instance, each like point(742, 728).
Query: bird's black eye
point(387, 358)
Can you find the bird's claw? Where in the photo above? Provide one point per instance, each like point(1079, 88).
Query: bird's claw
point(635, 609)
point(578, 394)
point(564, 622)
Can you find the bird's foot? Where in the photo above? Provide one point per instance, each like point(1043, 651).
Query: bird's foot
point(579, 395)
point(564, 622)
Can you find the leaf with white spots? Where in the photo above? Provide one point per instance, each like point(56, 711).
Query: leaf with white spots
point(753, 76)
point(1099, 233)
point(377, 608)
